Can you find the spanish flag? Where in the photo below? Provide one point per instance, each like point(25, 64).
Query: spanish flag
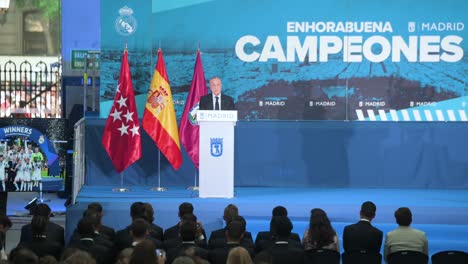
point(159, 119)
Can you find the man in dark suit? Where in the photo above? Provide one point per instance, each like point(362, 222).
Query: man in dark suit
point(216, 100)
point(54, 232)
point(282, 251)
point(188, 233)
point(265, 239)
point(106, 230)
point(234, 233)
point(218, 237)
point(362, 235)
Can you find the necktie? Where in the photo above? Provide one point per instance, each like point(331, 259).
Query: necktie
point(216, 103)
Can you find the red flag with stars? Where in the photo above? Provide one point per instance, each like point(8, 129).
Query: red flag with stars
point(121, 137)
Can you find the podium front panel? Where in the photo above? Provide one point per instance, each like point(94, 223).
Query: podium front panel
point(216, 159)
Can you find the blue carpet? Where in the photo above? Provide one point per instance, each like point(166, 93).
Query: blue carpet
point(442, 214)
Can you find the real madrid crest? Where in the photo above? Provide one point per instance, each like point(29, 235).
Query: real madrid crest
point(126, 24)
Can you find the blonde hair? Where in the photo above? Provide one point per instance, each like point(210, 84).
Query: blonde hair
point(239, 255)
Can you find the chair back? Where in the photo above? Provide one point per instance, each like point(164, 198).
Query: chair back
point(322, 256)
point(407, 257)
point(450, 256)
point(361, 256)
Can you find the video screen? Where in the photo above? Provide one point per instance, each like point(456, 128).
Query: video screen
point(32, 155)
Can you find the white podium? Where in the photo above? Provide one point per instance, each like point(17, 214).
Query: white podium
point(216, 153)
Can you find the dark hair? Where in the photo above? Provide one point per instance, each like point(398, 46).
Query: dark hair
point(137, 210)
point(48, 259)
point(403, 216)
point(279, 211)
point(149, 212)
point(85, 227)
point(22, 255)
point(283, 226)
point(95, 206)
point(5, 221)
point(321, 232)
point(235, 230)
point(139, 227)
point(185, 208)
point(368, 209)
point(188, 230)
point(39, 225)
point(241, 219)
point(263, 258)
point(93, 216)
point(42, 209)
point(230, 212)
point(144, 253)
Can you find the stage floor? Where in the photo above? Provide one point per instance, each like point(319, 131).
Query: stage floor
point(442, 214)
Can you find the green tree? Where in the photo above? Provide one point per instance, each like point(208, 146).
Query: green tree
point(50, 10)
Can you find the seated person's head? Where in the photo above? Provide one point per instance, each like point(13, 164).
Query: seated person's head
point(42, 209)
point(242, 220)
point(137, 210)
point(144, 252)
point(22, 255)
point(139, 228)
point(239, 255)
point(403, 216)
point(283, 227)
point(234, 231)
point(185, 208)
point(368, 210)
point(188, 230)
point(94, 216)
point(95, 207)
point(85, 228)
point(229, 212)
point(279, 211)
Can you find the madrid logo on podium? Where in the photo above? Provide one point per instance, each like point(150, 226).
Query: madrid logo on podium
point(216, 147)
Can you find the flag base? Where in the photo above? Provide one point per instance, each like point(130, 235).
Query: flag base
point(193, 188)
point(121, 189)
point(159, 189)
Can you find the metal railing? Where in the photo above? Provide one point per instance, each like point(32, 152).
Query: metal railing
point(79, 169)
point(30, 91)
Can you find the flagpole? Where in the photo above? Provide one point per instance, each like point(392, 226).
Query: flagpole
point(121, 188)
point(159, 188)
point(195, 186)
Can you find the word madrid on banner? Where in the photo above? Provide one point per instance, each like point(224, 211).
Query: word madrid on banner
point(371, 41)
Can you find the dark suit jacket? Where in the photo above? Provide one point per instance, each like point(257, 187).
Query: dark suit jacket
point(218, 239)
point(219, 255)
point(123, 239)
point(206, 102)
point(266, 236)
point(43, 247)
point(108, 232)
point(266, 244)
point(362, 235)
point(172, 234)
point(54, 232)
point(284, 253)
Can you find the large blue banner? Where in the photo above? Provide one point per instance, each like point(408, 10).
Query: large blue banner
point(299, 59)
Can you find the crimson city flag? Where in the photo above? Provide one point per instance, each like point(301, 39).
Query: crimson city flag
point(189, 131)
point(121, 138)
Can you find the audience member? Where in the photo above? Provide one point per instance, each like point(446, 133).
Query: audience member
point(5, 224)
point(177, 242)
point(405, 237)
point(102, 229)
point(188, 231)
point(145, 253)
point(234, 233)
point(183, 260)
point(173, 231)
point(282, 251)
point(123, 238)
point(239, 255)
point(100, 253)
point(79, 257)
point(154, 230)
point(39, 243)
point(266, 238)
point(22, 255)
point(124, 256)
point(54, 232)
point(362, 235)
point(48, 260)
point(229, 212)
point(320, 234)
